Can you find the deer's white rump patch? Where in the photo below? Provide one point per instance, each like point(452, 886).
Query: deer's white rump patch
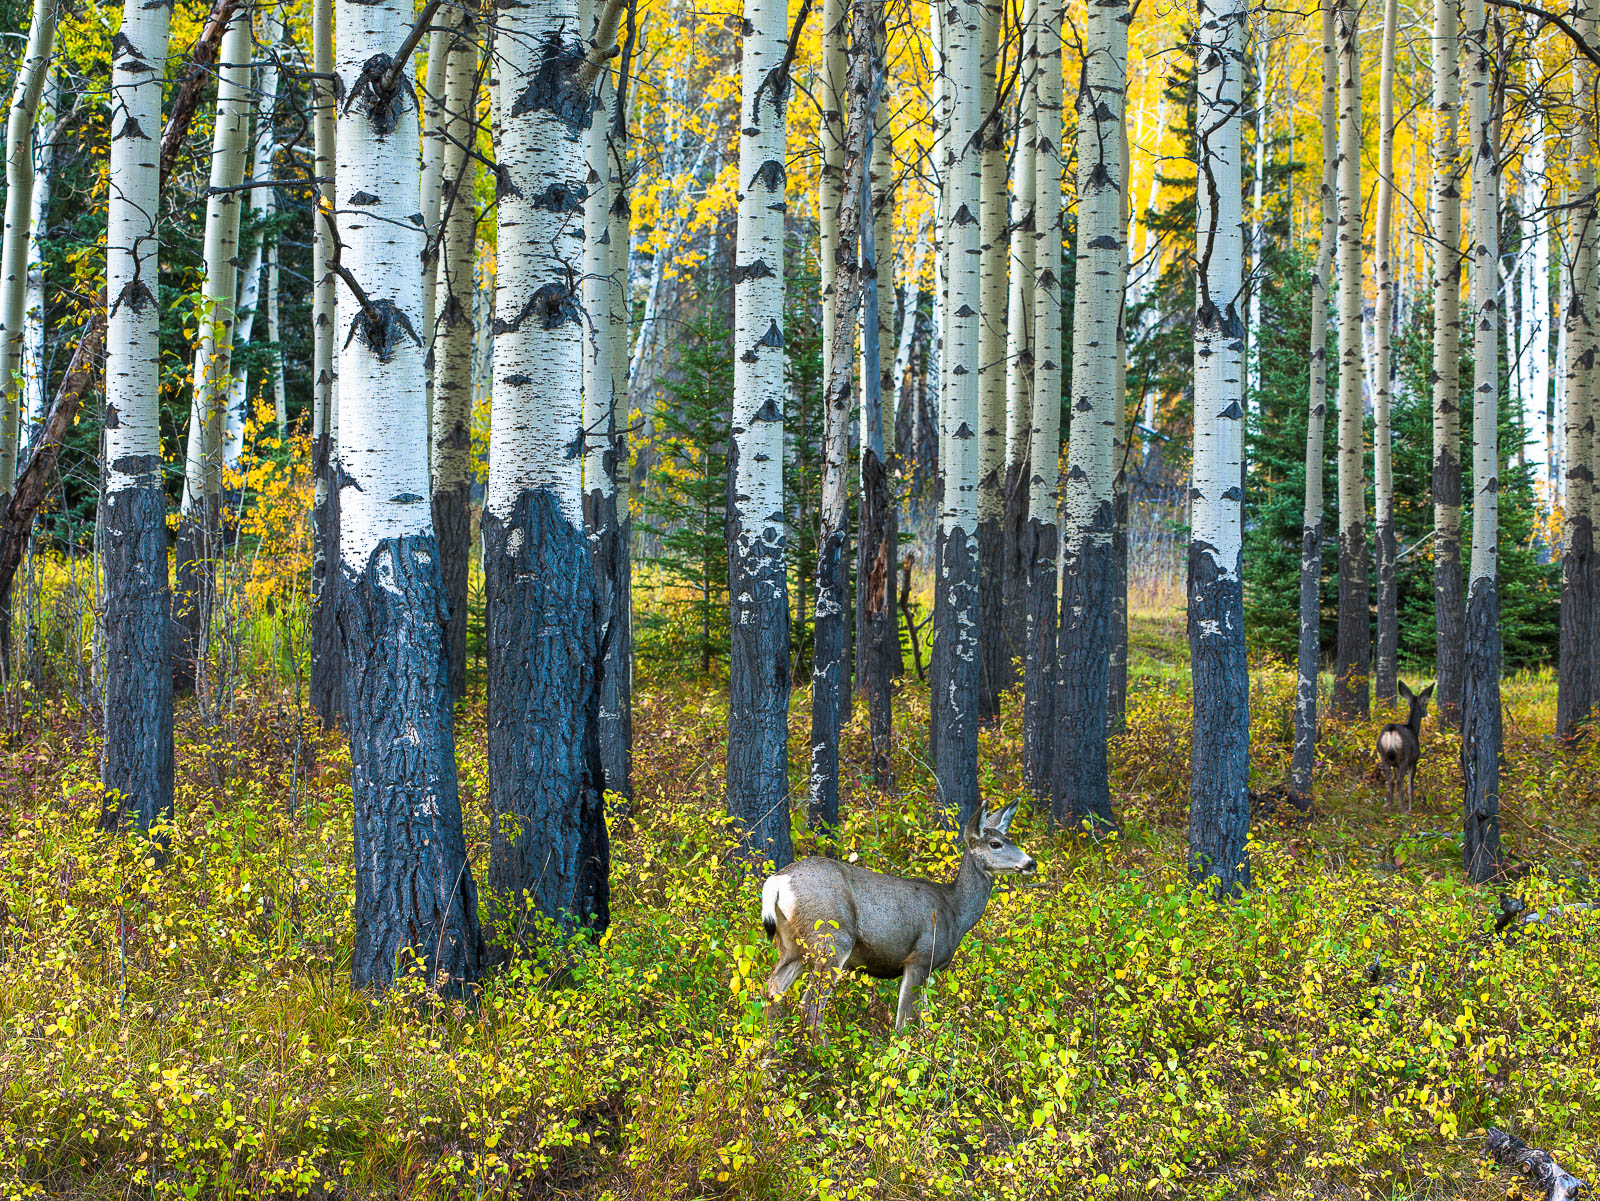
point(777, 900)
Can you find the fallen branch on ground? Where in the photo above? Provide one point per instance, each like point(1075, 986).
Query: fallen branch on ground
point(1540, 1167)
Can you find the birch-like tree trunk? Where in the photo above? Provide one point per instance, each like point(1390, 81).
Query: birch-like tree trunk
point(758, 670)
point(1387, 675)
point(1352, 661)
point(994, 649)
point(956, 603)
point(1041, 535)
point(136, 767)
point(1533, 347)
point(549, 843)
point(27, 87)
point(452, 330)
point(1302, 771)
point(33, 304)
point(200, 515)
point(431, 85)
point(1448, 602)
point(1081, 786)
point(327, 669)
point(616, 683)
point(415, 895)
point(1480, 709)
point(830, 179)
point(1219, 803)
point(1575, 688)
point(1117, 684)
point(1019, 343)
point(1263, 39)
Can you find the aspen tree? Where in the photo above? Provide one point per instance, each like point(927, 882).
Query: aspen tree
point(431, 83)
point(1303, 765)
point(1387, 675)
point(830, 179)
point(136, 768)
point(414, 891)
point(1019, 342)
point(758, 670)
point(33, 356)
point(1533, 282)
point(956, 605)
point(1449, 614)
point(27, 87)
point(1350, 690)
point(616, 683)
point(200, 514)
point(549, 843)
point(1081, 786)
point(327, 671)
point(1040, 542)
point(1219, 804)
point(1480, 725)
point(452, 329)
point(1117, 685)
point(994, 650)
point(1252, 382)
point(1575, 689)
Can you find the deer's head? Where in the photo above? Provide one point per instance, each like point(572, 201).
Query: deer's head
point(988, 840)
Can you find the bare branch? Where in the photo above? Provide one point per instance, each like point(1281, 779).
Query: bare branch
point(1560, 22)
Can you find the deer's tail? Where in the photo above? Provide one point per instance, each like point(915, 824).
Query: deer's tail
point(775, 892)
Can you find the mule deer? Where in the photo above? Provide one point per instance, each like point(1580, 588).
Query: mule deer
point(845, 916)
point(1400, 746)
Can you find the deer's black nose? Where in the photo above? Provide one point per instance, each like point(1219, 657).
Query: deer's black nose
point(1030, 867)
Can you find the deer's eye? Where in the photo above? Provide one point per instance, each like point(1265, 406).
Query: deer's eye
point(995, 843)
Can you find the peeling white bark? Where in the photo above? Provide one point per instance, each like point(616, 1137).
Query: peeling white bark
point(33, 306)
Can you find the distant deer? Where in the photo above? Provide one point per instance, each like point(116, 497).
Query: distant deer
point(1400, 746)
point(847, 916)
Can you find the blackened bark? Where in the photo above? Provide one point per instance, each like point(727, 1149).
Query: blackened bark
point(1080, 786)
point(1449, 606)
point(1117, 687)
point(758, 686)
point(1351, 694)
point(994, 648)
point(828, 681)
point(955, 699)
point(1387, 675)
point(1575, 695)
point(136, 771)
point(1219, 796)
point(1302, 770)
point(1480, 732)
point(414, 887)
point(1013, 566)
point(608, 538)
point(1039, 654)
point(198, 543)
point(879, 638)
point(327, 665)
point(548, 845)
point(452, 526)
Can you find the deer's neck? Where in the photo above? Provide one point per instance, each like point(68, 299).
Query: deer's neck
point(970, 893)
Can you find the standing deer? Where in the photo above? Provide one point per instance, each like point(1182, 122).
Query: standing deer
point(847, 916)
point(1400, 746)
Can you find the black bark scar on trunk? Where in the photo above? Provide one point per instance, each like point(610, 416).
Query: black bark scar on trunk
point(955, 702)
point(416, 905)
point(1219, 797)
point(1480, 733)
point(327, 668)
point(877, 629)
point(609, 540)
point(1080, 780)
point(1575, 695)
point(452, 526)
point(1303, 764)
point(1351, 694)
point(1449, 603)
point(1039, 548)
point(994, 648)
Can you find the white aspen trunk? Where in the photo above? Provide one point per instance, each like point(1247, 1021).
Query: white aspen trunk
point(137, 761)
point(835, 37)
point(1019, 300)
point(32, 69)
point(1302, 775)
point(1040, 543)
point(33, 305)
point(1480, 741)
point(908, 319)
point(758, 672)
point(1350, 687)
point(1219, 807)
point(1144, 269)
point(1533, 344)
point(1080, 781)
point(1387, 677)
point(415, 893)
point(327, 672)
point(1257, 214)
point(431, 84)
point(200, 513)
point(280, 395)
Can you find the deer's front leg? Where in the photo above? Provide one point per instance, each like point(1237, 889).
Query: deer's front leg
point(916, 974)
point(837, 951)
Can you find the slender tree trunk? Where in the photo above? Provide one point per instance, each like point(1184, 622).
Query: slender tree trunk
point(1533, 348)
point(1382, 460)
point(549, 842)
point(1041, 536)
point(1263, 39)
point(27, 86)
point(830, 180)
point(200, 516)
point(758, 670)
point(1350, 687)
point(616, 683)
point(1019, 344)
point(994, 650)
point(956, 602)
point(1219, 805)
point(1575, 695)
point(1081, 786)
point(1449, 613)
point(33, 306)
point(136, 770)
point(327, 668)
point(1302, 772)
point(452, 330)
point(431, 85)
point(1480, 726)
point(415, 895)
point(1117, 685)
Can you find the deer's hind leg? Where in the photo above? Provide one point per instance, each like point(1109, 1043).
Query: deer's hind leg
point(916, 975)
point(835, 954)
point(791, 962)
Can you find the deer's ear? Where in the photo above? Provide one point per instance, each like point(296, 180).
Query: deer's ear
point(973, 830)
point(1427, 692)
point(1002, 821)
point(1405, 691)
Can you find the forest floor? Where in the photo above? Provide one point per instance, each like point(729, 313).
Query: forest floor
point(1348, 1028)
